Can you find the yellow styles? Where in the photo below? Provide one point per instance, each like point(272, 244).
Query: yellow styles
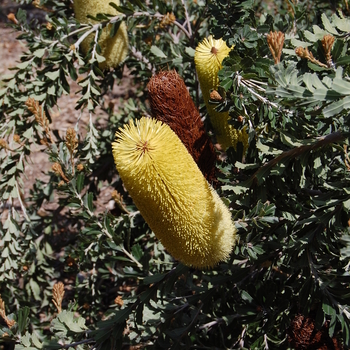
point(208, 59)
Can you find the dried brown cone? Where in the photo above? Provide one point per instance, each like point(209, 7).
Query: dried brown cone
point(303, 334)
point(172, 104)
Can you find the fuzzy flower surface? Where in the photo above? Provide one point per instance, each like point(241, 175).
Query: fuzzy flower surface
point(114, 49)
point(208, 59)
point(174, 198)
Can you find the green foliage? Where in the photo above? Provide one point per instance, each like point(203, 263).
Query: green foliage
point(289, 194)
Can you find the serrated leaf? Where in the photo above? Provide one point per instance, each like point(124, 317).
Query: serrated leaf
point(23, 65)
point(53, 75)
point(158, 52)
point(137, 251)
point(336, 107)
point(328, 308)
point(39, 53)
point(343, 60)
point(100, 58)
point(28, 133)
point(327, 25)
point(190, 51)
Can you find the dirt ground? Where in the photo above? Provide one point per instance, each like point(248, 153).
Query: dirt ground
point(64, 115)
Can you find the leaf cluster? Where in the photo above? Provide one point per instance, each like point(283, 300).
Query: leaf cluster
point(289, 194)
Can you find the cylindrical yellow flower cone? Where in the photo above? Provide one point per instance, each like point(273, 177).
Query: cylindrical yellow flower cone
point(114, 49)
point(166, 185)
point(208, 59)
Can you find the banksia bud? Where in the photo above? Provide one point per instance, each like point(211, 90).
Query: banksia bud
point(327, 44)
point(11, 17)
point(57, 295)
point(57, 169)
point(305, 53)
point(174, 198)
point(275, 42)
point(167, 20)
point(208, 59)
point(3, 144)
point(172, 104)
point(114, 49)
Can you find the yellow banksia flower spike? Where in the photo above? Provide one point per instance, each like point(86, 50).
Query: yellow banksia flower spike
point(166, 185)
point(208, 58)
point(114, 49)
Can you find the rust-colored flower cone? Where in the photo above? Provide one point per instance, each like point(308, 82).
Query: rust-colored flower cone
point(172, 104)
point(303, 334)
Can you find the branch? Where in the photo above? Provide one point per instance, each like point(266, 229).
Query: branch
point(85, 341)
point(297, 151)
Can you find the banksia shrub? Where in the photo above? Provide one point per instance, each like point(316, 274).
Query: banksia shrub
point(173, 196)
point(113, 49)
point(172, 104)
point(208, 59)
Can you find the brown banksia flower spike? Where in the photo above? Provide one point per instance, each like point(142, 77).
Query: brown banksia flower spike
point(327, 44)
point(57, 295)
point(172, 104)
point(306, 54)
point(275, 41)
point(303, 334)
point(9, 323)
